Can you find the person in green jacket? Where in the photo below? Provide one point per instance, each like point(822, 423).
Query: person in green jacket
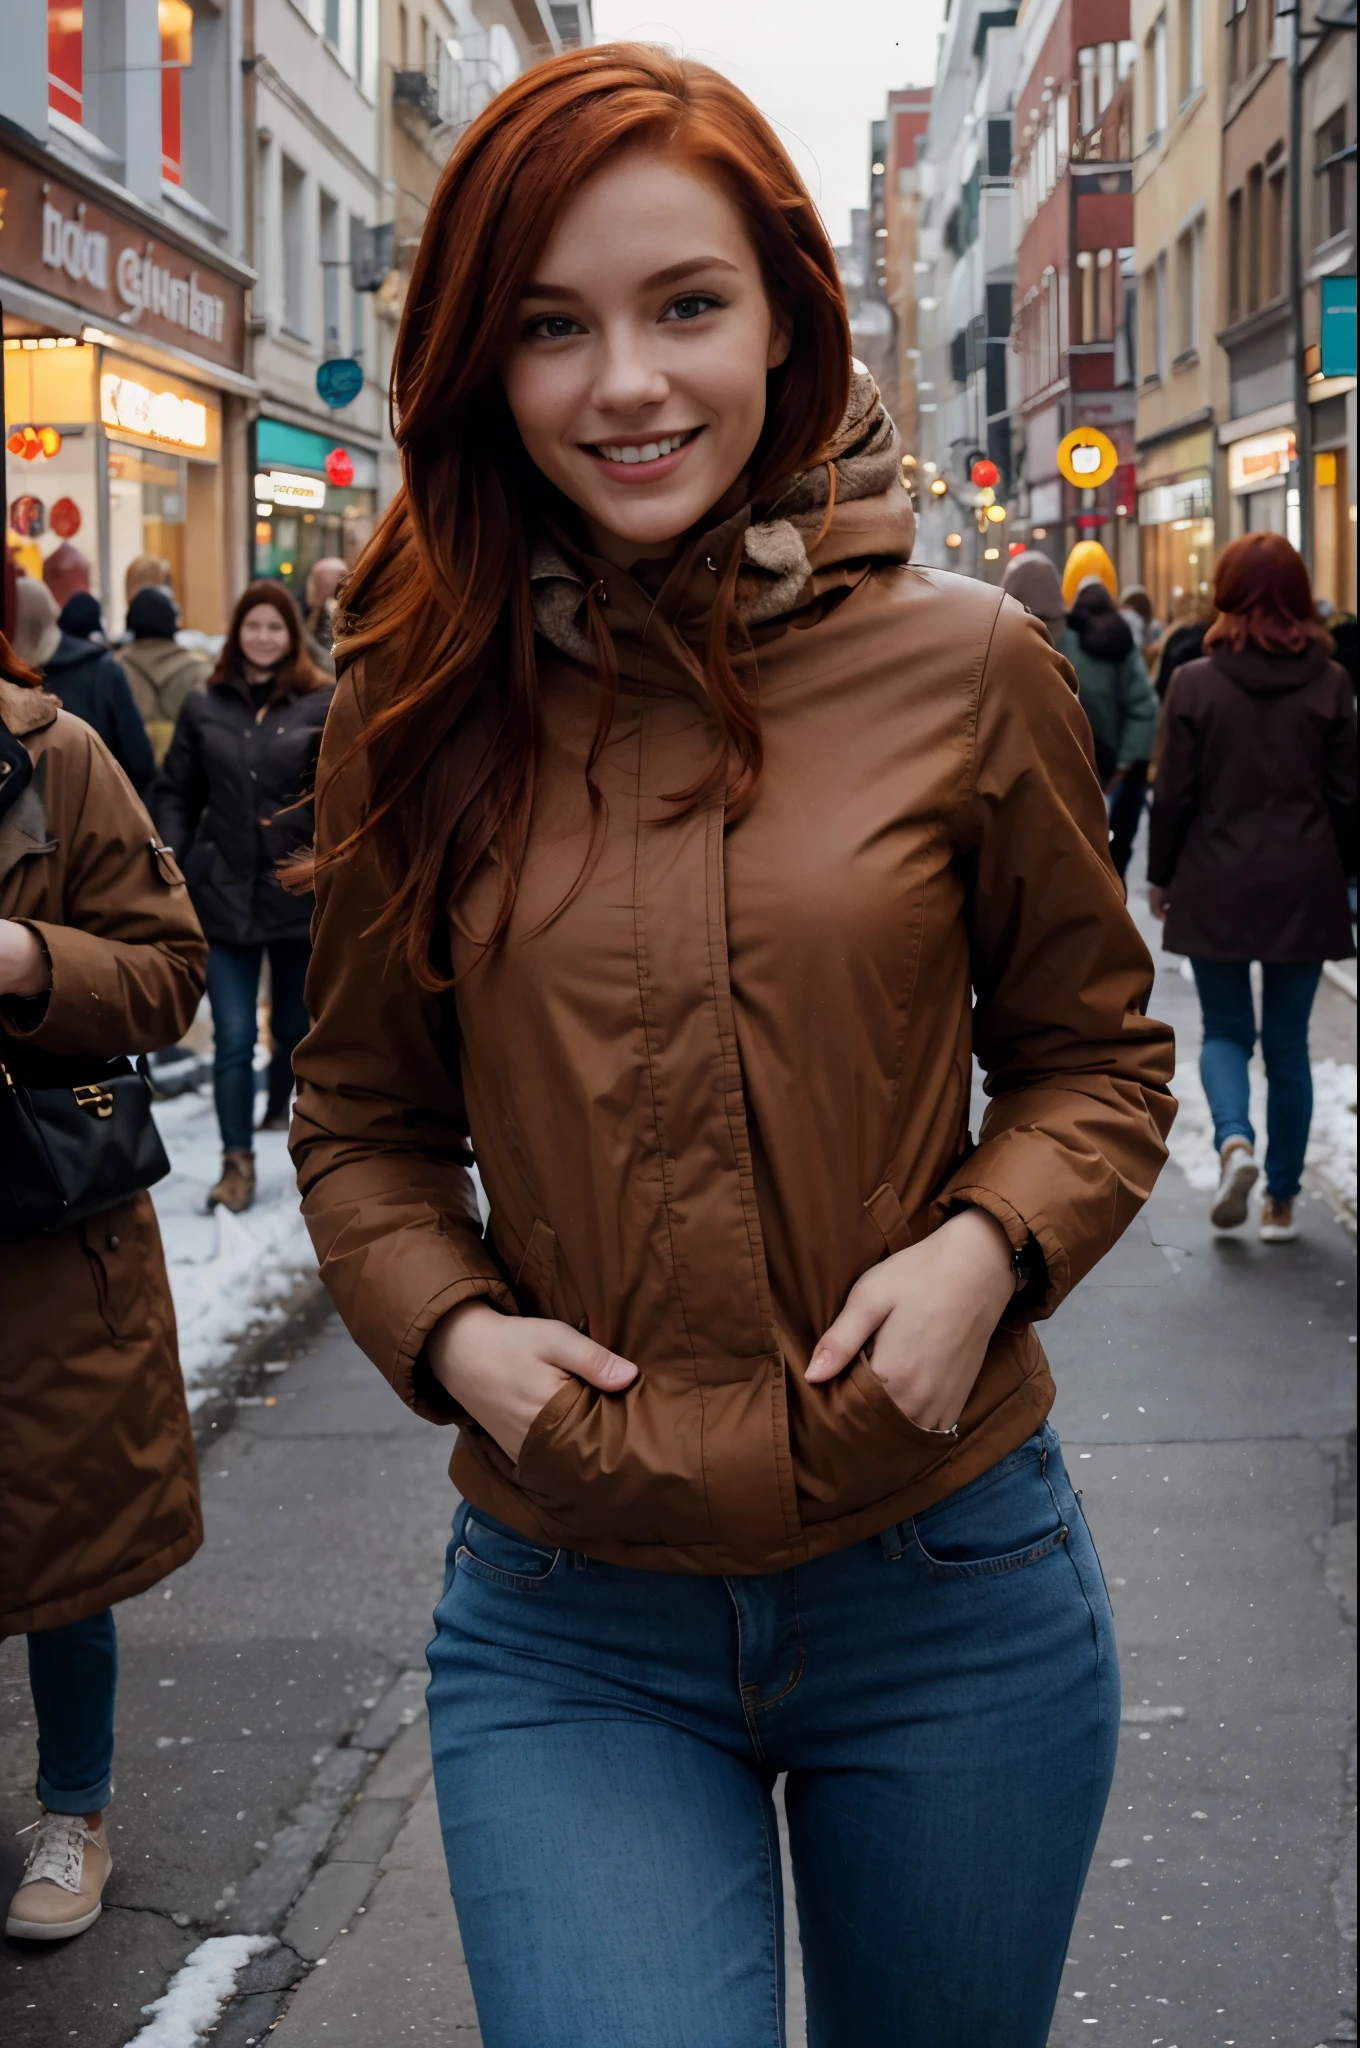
point(1119, 701)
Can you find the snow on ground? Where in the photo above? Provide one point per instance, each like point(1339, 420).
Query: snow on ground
point(1331, 1141)
point(193, 1999)
point(229, 1275)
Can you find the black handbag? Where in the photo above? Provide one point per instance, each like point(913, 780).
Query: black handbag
point(76, 1137)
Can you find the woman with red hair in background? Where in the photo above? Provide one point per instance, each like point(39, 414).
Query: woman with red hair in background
point(664, 813)
point(1252, 840)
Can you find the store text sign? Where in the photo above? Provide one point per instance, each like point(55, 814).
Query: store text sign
point(158, 415)
point(118, 275)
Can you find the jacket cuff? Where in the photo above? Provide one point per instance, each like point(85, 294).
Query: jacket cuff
point(411, 1373)
point(1050, 1277)
point(22, 1016)
point(65, 1011)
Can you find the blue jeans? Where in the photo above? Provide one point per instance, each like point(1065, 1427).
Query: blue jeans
point(73, 1676)
point(943, 1698)
point(233, 991)
point(1229, 1041)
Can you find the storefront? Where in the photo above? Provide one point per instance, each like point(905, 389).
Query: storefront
point(124, 396)
point(1176, 529)
point(1263, 492)
point(314, 498)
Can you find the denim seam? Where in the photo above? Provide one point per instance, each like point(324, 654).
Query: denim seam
point(779, 2034)
point(514, 1582)
point(993, 1567)
point(761, 1705)
point(752, 1731)
point(1101, 1689)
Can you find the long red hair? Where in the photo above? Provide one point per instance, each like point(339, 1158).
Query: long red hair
point(12, 670)
point(297, 670)
point(439, 603)
point(1263, 596)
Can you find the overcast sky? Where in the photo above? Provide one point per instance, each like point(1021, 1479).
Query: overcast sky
point(819, 69)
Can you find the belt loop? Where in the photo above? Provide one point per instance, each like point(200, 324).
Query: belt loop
point(579, 1560)
point(891, 1539)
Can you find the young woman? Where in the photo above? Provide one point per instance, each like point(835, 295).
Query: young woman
point(1253, 838)
point(231, 800)
point(664, 816)
point(100, 957)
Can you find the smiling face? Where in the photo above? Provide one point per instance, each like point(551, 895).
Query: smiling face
point(264, 637)
point(637, 375)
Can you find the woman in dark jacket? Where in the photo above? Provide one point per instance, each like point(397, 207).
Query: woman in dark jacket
point(100, 957)
point(230, 799)
point(1253, 837)
point(1119, 702)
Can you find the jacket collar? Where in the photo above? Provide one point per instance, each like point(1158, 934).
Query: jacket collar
point(798, 541)
point(26, 711)
point(1268, 675)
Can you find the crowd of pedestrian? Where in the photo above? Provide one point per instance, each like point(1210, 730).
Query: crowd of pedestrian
point(750, 1334)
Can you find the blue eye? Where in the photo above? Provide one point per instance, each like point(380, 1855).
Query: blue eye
point(554, 327)
point(692, 305)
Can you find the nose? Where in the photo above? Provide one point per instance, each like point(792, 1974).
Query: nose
point(629, 378)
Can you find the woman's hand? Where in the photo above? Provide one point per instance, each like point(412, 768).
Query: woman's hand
point(25, 969)
point(505, 1369)
point(1159, 902)
point(929, 1313)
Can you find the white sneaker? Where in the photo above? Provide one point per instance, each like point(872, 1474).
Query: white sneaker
point(1238, 1175)
point(63, 1882)
point(1277, 1222)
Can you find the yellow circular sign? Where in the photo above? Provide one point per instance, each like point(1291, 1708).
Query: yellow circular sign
point(1087, 457)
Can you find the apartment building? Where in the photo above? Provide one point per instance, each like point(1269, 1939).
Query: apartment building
point(1072, 360)
point(908, 118)
point(965, 267)
point(124, 278)
point(1326, 87)
point(1182, 371)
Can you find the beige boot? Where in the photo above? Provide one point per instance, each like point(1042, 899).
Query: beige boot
point(64, 1878)
point(236, 1189)
point(1277, 1222)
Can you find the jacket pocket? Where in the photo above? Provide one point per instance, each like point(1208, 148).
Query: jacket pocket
point(117, 1251)
point(1001, 1523)
point(543, 1283)
point(602, 1465)
point(852, 1445)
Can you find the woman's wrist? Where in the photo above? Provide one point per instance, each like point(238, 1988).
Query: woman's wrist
point(445, 1345)
point(989, 1251)
point(25, 968)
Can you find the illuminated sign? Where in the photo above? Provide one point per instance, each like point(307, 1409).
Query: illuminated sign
point(157, 415)
point(1087, 458)
point(285, 487)
point(1260, 460)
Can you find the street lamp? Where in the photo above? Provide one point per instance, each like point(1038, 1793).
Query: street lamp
point(938, 487)
point(953, 540)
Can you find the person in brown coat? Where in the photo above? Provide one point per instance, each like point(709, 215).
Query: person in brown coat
point(669, 824)
point(100, 956)
point(1252, 841)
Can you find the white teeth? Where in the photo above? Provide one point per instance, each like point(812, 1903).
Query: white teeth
point(649, 451)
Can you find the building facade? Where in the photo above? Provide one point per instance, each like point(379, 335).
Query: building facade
point(1326, 118)
point(965, 268)
point(124, 277)
point(1072, 345)
point(1182, 371)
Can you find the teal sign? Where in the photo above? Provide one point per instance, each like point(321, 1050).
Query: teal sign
point(1337, 335)
point(339, 381)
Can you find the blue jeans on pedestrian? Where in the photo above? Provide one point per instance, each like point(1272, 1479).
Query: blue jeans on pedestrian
point(943, 1698)
point(233, 992)
point(1229, 1040)
point(73, 1676)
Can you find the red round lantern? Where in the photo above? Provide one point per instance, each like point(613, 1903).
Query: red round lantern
point(340, 468)
point(65, 517)
point(985, 474)
point(1017, 547)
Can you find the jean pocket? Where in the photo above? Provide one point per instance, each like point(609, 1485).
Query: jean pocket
point(500, 1557)
point(996, 1529)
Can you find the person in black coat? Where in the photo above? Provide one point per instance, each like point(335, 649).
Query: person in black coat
point(87, 679)
point(232, 799)
point(1253, 838)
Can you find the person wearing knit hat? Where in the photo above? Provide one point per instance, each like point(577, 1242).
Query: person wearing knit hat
point(85, 677)
point(82, 618)
point(1032, 579)
point(160, 673)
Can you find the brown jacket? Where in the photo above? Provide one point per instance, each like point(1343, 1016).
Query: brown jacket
point(733, 1072)
point(1253, 815)
point(98, 1484)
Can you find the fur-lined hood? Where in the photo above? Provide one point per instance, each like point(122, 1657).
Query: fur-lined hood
point(791, 551)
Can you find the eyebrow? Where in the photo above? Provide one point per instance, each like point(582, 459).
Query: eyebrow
point(671, 275)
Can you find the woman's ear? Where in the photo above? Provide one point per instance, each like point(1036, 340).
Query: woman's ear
point(781, 341)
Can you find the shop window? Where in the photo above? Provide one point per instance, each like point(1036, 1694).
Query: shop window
point(1332, 165)
point(1192, 52)
point(65, 57)
point(295, 270)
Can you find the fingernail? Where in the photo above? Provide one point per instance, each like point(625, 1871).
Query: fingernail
point(819, 1361)
point(619, 1369)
